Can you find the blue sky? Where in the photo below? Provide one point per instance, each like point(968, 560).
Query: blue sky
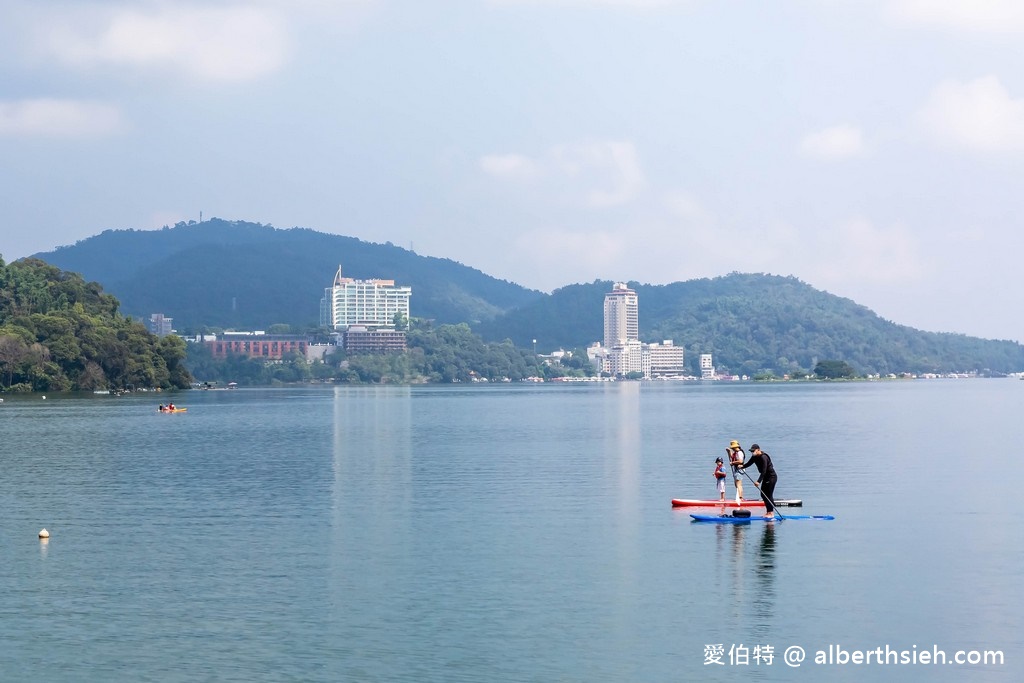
point(871, 148)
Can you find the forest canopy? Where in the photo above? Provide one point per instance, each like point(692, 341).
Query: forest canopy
point(61, 333)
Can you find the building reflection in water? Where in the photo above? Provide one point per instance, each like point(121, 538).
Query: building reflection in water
point(372, 493)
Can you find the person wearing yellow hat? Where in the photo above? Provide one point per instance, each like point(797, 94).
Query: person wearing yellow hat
point(736, 457)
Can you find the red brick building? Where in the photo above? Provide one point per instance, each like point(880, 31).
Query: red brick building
point(256, 345)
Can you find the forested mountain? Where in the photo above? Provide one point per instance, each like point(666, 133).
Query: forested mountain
point(249, 276)
point(235, 274)
point(753, 322)
point(61, 333)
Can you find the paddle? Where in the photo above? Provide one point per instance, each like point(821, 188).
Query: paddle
point(775, 510)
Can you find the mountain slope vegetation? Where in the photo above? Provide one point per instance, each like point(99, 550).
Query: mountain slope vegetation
point(244, 275)
point(61, 333)
point(755, 322)
point(232, 274)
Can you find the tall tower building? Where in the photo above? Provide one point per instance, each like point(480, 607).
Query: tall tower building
point(621, 316)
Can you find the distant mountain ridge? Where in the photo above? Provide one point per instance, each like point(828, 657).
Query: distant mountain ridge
point(756, 322)
point(249, 276)
point(236, 274)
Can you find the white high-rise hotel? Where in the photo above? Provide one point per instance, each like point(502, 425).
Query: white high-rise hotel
point(623, 352)
point(370, 303)
point(621, 316)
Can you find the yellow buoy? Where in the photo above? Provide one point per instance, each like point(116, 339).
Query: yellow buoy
point(44, 534)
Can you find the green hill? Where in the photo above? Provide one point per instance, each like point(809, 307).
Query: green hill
point(752, 322)
point(61, 333)
point(244, 275)
point(235, 274)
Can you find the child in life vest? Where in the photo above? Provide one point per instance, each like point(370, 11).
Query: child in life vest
point(720, 479)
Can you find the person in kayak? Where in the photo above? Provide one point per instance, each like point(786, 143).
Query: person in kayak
point(735, 453)
point(767, 478)
point(720, 478)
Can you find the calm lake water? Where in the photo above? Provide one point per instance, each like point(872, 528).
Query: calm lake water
point(507, 533)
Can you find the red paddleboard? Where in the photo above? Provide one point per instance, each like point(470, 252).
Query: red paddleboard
point(731, 503)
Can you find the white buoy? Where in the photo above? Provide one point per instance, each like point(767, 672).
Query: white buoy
point(44, 534)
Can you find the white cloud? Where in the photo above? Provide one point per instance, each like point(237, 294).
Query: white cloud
point(984, 16)
point(858, 252)
point(318, 7)
point(509, 166)
point(598, 174)
point(58, 118)
point(850, 253)
point(628, 4)
point(348, 16)
point(979, 116)
point(580, 255)
point(687, 208)
point(701, 243)
point(679, 237)
point(675, 239)
point(615, 165)
point(231, 43)
point(836, 142)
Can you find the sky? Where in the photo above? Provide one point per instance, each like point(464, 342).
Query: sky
point(873, 149)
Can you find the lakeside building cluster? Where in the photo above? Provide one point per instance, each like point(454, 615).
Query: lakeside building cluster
point(368, 316)
point(371, 316)
point(364, 316)
point(622, 353)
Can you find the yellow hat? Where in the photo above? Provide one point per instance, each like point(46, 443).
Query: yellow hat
point(734, 444)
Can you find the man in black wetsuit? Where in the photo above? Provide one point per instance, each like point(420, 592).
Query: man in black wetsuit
point(766, 479)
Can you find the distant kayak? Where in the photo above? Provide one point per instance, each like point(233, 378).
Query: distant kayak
point(746, 503)
point(726, 519)
point(176, 410)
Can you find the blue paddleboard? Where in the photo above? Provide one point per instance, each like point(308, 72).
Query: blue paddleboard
point(728, 519)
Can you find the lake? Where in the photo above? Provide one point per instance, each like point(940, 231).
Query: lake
point(509, 533)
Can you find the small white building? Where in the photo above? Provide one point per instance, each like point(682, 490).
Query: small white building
point(707, 368)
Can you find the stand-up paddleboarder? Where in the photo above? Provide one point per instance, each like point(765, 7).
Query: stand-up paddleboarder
point(766, 479)
point(735, 453)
